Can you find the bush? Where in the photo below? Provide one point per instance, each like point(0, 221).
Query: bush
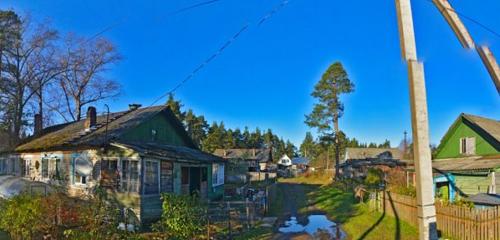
point(183, 217)
point(374, 178)
point(58, 216)
point(21, 216)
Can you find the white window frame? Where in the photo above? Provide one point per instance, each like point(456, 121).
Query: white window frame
point(218, 170)
point(464, 148)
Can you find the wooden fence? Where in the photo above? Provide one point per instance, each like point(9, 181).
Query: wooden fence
point(452, 221)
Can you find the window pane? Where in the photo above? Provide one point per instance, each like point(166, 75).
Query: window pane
point(151, 184)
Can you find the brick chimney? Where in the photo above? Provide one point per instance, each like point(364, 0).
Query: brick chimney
point(91, 120)
point(38, 124)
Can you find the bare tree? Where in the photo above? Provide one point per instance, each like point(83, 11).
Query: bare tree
point(19, 71)
point(83, 81)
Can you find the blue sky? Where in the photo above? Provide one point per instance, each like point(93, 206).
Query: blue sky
point(265, 77)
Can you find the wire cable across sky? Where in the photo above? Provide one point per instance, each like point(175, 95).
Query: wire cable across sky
point(264, 18)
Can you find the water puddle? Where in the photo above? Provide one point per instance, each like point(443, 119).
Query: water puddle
point(318, 227)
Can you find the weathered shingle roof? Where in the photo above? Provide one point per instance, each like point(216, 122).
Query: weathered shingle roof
point(489, 126)
point(73, 134)
point(169, 152)
point(485, 199)
point(467, 163)
point(363, 153)
point(300, 160)
point(259, 154)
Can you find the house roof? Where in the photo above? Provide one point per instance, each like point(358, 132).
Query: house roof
point(364, 153)
point(259, 154)
point(300, 160)
point(485, 199)
point(169, 152)
point(73, 134)
point(467, 163)
point(489, 126)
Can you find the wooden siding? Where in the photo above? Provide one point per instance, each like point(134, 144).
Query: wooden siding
point(472, 184)
point(451, 147)
point(165, 132)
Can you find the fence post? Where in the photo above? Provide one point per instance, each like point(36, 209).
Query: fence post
point(248, 213)
point(208, 220)
point(229, 220)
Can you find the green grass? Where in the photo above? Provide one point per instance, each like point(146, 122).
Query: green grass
point(256, 233)
point(356, 219)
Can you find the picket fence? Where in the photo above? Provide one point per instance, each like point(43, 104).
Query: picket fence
point(456, 222)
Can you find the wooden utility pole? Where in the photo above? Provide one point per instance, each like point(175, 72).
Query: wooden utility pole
point(420, 124)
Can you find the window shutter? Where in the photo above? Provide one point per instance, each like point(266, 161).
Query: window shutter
point(471, 146)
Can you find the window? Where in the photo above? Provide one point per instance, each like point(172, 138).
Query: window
point(151, 177)
point(217, 174)
point(45, 168)
point(468, 146)
point(80, 180)
point(130, 176)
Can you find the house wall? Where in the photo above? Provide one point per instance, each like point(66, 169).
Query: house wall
point(10, 165)
point(215, 192)
point(472, 184)
point(165, 132)
point(451, 148)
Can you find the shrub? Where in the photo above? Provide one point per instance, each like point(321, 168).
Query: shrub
point(374, 178)
point(21, 216)
point(183, 217)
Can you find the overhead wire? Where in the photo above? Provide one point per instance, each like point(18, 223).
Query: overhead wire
point(478, 23)
point(173, 13)
point(264, 18)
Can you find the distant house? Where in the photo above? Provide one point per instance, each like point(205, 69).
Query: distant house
point(300, 161)
point(372, 153)
point(470, 151)
point(284, 161)
point(135, 154)
point(357, 161)
point(256, 159)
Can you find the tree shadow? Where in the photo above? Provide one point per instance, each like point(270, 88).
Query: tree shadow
point(396, 218)
point(369, 230)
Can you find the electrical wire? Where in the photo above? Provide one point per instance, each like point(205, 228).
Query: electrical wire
point(490, 30)
point(221, 49)
point(121, 21)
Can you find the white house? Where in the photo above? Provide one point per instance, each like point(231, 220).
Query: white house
point(285, 161)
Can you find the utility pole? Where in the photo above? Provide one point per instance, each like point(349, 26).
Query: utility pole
point(420, 124)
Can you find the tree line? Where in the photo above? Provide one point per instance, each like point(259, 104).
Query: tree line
point(44, 72)
point(210, 137)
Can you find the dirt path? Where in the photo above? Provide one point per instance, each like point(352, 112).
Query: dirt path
point(292, 202)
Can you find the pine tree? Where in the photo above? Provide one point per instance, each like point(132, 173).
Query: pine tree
point(175, 106)
point(307, 148)
point(329, 108)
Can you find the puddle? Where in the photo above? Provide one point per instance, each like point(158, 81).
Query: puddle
point(318, 226)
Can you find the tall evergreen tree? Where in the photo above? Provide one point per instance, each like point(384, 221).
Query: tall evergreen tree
point(176, 107)
point(308, 146)
point(329, 108)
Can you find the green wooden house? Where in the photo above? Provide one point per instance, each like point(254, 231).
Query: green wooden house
point(470, 151)
point(135, 154)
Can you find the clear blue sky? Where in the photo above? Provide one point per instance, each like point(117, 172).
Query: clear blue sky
point(265, 78)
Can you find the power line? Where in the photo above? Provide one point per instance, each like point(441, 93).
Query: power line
point(180, 10)
point(490, 30)
point(221, 49)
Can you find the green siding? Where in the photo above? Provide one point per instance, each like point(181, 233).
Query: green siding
point(451, 147)
point(472, 184)
point(214, 192)
point(165, 132)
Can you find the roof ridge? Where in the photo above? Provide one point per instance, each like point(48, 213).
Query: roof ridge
point(85, 132)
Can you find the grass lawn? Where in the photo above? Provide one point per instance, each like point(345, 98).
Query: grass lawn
point(356, 219)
